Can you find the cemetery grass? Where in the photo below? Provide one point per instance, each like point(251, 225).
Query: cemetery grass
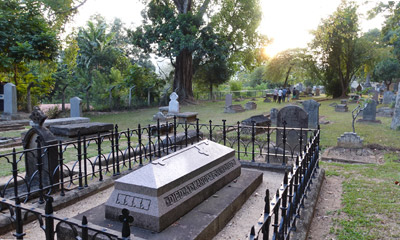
point(370, 200)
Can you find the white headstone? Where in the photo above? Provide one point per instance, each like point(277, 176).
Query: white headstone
point(76, 107)
point(173, 106)
point(10, 99)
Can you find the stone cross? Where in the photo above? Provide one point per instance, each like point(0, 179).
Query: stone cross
point(76, 107)
point(173, 106)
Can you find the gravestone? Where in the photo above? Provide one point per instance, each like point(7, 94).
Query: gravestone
point(309, 90)
point(388, 97)
point(317, 92)
point(349, 140)
point(359, 88)
point(259, 121)
point(273, 115)
point(250, 106)
point(235, 108)
point(369, 112)
point(295, 117)
point(76, 107)
point(10, 102)
point(161, 192)
point(375, 96)
point(173, 106)
point(341, 108)
point(312, 109)
point(385, 112)
point(39, 133)
point(396, 115)
point(228, 100)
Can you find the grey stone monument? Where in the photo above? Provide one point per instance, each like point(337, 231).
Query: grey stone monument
point(312, 108)
point(10, 102)
point(173, 106)
point(250, 106)
point(317, 92)
point(295, 117)
point(396, 115)
point(369, 112)
point(273, 115)
point(40, 134)
point(375, 96)
point(228, 100)
point(388, 97)
point(76, 107)
point(161, 192)
point(350, 140)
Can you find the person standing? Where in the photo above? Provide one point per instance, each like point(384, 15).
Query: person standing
point(275, 95)
point(284, 94)
point(280, 96)
point(288, 94)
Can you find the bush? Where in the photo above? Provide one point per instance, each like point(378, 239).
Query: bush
point(53, 112)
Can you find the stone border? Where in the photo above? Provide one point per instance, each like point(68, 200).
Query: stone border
point(310, 203)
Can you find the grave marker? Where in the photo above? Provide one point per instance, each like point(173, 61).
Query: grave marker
point(173, 106)
point(10, 102)
point(76, 107)
point(396, 115)
point(312, 108)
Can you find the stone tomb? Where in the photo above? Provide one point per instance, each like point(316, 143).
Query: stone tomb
point(161, 192)
point(295, 117)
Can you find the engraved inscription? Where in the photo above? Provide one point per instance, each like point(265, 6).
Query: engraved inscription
point(135, 202)
point(198, 183)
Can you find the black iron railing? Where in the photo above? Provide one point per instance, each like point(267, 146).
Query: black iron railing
point(280, 214)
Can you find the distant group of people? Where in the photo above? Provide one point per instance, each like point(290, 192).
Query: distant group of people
point(282, 95)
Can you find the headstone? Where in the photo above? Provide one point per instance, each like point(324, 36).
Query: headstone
point(308, 90)
point(341, 108)
point(76, 107)
point(350, 140)
point(343, 101)
point(41, 134)
point(317, 92)
point(250, 106)
point(228, 100)
point(236, 108)
point(273, 115)
point(159, 193)
point(359, 88)
point(259, 121)
point(173, 106)
point(396, 115)
point(369, 112)
point(312, 109)
point(267, 100)
point(385, 112)
point(295, 117)
point(388, 97)
point(10, 102)
point(375, 96)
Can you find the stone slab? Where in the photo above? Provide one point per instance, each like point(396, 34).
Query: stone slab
point(341, 108)
point(71, 130)
point(203, 222)
point(187, 116)
point(161, 192)
point(63, 121)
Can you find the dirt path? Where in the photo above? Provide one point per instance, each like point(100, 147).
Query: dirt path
point(329, 203)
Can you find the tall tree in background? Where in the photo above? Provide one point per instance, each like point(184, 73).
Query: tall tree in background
point(184, 30)
point(339, 49)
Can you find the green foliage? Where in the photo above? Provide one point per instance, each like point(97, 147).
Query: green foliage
point(387, 70)
point(341, 52)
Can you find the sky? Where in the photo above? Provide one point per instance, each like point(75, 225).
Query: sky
point(287, 22)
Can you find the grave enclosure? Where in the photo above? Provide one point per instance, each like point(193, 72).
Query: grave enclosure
point(124, 153)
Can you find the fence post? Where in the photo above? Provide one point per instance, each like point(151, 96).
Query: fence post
point(267, 219)
point(49, 218)
point(84, 160)
point(61, 163)
point(224, 131)
point(79, 160)
point(186, 133)
point(159, 137)
point(276, 214)
point(238, 139)
point(253, 139)
point(129, 150)
point(167, 137)
point(149, 132)
point(197, 130)
point(19, 225)
point(126, 219)
point(40, 169)
point(99, 155)
point(210, 130)
point(117, 147)
point(268, 139)
point(140, 145)
point(85, 230)
point(174, 133)
point(284, 143)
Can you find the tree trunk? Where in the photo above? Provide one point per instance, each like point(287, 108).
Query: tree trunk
point(28, 97)
point(183, 76)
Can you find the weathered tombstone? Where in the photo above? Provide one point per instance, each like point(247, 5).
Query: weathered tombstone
point(388, 97)
point(350, 140)
point(295, 117)
point(160, 193)
point(385, 112)
point(309, 90)
point(10, 102)
point(317, 92)
point(341, 108)
point(259, 121)
point(396, 115)
point(76, 107)
point(250, 105)
point(343, 101)
point(40, 134)
point(375, 96)
point(235, 108)
point(228, 100)
point(369, 112)
point(312, 109)
point(173, 106)
point(273, 115)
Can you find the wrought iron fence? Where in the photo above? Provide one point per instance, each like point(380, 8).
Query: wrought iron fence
point(90, 158)
point(283, 211)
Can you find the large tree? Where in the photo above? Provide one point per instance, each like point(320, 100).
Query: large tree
point(192, 33)
point(339, 48)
